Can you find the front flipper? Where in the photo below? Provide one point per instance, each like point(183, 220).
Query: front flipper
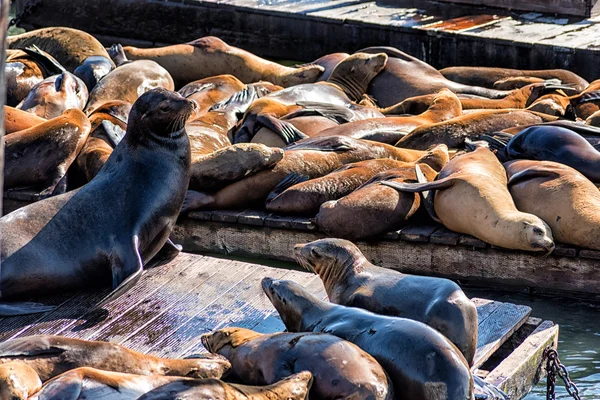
point(165, 255)
point(288, 132)
point(427, 195)
point(23, 308)
point(127, 269)
point(65, 387)
point(114, 132)
point(532, 173)
point(337, 113)
point(290, 180)
point(49, 63)
point(238, 103)
point(32, 346)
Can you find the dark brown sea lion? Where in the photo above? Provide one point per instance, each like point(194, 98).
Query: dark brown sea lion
point(340, 369)
point(54, 95)
point(295, 387)
point(306, 197)
point(487, 77)
point(18, 381)
point(405, 76)
point(472, 197)
point(40, 156)
point(594, 119)
point(312, 158)
point(420, 361)
point(210, 56)
point(351, 280)
point(561, 196)
point(209, 91)
point(93, 69)
point(453, 132)
point(50, 356)
point(67, 241)
point(17, 120)
point(558, 105)
point(71, 47)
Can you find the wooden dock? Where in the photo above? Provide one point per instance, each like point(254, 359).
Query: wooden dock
point(174, 304)
point(441, 34)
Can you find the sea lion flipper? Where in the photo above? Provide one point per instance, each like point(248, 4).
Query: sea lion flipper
point(485, 390)
point(428, 196)
point(286, 183)
point(337, 113)
point(65, 387)
point(23, 308)
point(117, 54)
point(327, 143)
point(48, 62)
point(420, 187)
point(114, 132)
point(239, 102)
point(531, 173)
point(288, 132)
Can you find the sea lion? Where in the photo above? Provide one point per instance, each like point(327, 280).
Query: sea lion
point(351, 280)
point(40, 156)
point(210, 56)
point(549, 143)
point(71, 47)
point(594, 119)
point(17, 120)
point(340, 369)
point(558, 105)
point(472, 197)
point(50, 356)
point(93, 69)
point(420, 361)
point(54, 95)
point(405, 76)
point(516, 82)
point(18, 381)
point(312, 158)
point(129, 81)
point(295, 387)
point(42, 240)
point(487, 77)
point(453, 132)
point(306, 197)
point(209, 91)
point(328, 62)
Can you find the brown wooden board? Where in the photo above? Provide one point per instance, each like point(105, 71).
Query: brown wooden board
point(580, 8)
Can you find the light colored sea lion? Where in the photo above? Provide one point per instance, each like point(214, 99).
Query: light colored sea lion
point(472, 197)
point(351, 280)
point(50, 356)
point(340, 369)
point(17, 120)
point(421, 362)
point(67, 241)
point(40, 156)
point(54, 95)
point(18, 381)
point(561, 196)
point(210, 56)
point(209, 91)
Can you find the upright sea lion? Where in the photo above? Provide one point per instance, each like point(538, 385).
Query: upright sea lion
point(487, 77)
point(209, 91)
point(17, 120)
point(68, 241)
point(472, 197)
point(561, 196)
point(40, 156)
point(18, 381)
point(295, 387)
point(351, 280)
point(50, 356)
point(340, 369)
point(54, 95)
point(210, 56)
point(71, 47)
point(420, 361)
point(405, 76)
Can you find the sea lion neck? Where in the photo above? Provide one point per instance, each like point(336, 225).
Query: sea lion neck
point(350, 87)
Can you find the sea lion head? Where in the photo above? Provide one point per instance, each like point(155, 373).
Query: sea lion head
point(294, 387)
point(291, 301)
point(200, 367)
point(93, 69)
point(232, 337)
point(55, 94)
point(354, 73)
point(18, 381)
point(538, 235)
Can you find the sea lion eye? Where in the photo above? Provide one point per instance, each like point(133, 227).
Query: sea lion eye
point(538, 231)
point(164, 107)
point(314, 253)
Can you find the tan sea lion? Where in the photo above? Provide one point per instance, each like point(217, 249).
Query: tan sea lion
point(329, 62)
point(340, 369)
point(560, 195)
point(351, 280)
point(209, 91)
point(18, 381)
point(40, 156)
point(50, 356)
point(17, 120)
point(210, 56)
point(516, 82)
point(472, 197)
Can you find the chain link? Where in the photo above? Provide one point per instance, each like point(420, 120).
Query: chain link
point(555, 368)
point(27, 9)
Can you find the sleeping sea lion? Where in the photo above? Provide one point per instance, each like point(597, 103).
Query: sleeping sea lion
point(209, 91)
point(472, 197)
point(50, 356)
point(210, 56)
point(340, 369)
point(420, 361)
point(18, 381)
point(68, 241)
point(93, 69)
point(351, 280)
point(328, 62)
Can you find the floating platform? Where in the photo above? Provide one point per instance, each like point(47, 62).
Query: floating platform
point(439, 33)
point(174, 304)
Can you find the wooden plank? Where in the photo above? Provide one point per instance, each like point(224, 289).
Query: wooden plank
point(564, 250)
point(496, 328)
point(468, 240)
point(418, 233)
point(303, 224)
point(253, 217)
point(579, 8)
point(516, 374)
point(201, 215)
point(226, 215)
point(278, 221)
point(445, 236)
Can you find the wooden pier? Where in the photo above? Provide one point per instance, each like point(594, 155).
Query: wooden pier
point(174, 304)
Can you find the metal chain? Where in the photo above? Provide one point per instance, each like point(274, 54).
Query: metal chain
point(27, 9)
point(555, 368)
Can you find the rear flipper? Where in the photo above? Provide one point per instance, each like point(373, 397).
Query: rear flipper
point(487, 391)
point(288, 132)
point(238, 103)
point(337, 113)
point(52, 66)
point(286, 183)
point(165, 255)
point(23, 308)
point(117, 54)
point(195, 200)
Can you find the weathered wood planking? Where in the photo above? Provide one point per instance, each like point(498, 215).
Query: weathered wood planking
point(579, 8)
point(438, 33)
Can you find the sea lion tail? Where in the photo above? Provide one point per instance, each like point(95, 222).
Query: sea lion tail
point(23, 308)
point(287, 182)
